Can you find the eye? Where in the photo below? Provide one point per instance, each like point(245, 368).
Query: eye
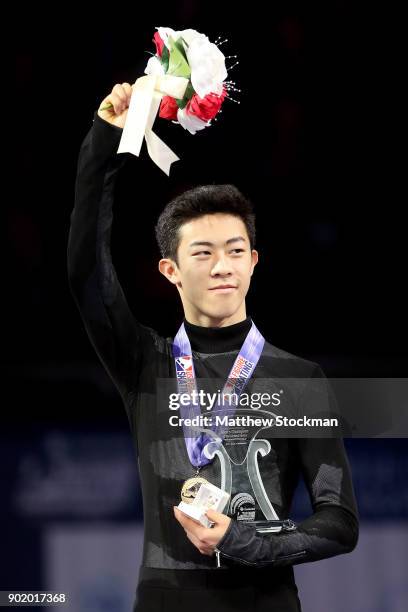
point(202, 253)
point(237, 251)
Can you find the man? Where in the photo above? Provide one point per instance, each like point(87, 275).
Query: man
point(206, 237)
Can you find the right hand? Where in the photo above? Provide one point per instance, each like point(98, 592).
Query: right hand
point(120, 100)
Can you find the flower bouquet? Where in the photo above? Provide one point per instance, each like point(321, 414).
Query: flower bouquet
point(191, 55)
point(185, 82)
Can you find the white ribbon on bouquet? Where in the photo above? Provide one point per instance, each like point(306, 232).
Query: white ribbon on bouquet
point(147, 94)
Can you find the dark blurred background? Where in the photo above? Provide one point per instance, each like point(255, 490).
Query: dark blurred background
point(312, 143)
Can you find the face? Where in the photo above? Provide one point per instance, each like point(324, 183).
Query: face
point(215, 265)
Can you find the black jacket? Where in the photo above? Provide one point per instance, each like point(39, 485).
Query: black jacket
point(136, 357)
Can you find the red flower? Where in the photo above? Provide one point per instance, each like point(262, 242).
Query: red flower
point(168, 108)
point(159, 44)
point(206, 108)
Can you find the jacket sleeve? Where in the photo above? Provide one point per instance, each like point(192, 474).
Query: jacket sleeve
point(116, 336)
point(331, 530)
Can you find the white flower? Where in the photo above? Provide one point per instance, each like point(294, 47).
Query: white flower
point(188, 35)
point(207, 65)
point(154, 66)
point(206, 61)
point(190, 122)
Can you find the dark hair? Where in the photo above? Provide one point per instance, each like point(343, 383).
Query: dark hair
point(194, 203)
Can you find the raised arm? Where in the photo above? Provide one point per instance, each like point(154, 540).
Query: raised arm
point(112, 329)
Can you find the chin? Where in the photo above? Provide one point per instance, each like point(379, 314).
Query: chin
point(222, 314)
point(219, 309)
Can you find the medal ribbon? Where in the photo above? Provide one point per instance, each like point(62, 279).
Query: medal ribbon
point(237, 380)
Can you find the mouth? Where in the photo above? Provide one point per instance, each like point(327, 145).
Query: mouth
point(223, 289)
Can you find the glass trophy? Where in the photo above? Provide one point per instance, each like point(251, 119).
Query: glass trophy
point(236, 443)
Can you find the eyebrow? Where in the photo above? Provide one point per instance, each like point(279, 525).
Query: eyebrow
point(210, 244)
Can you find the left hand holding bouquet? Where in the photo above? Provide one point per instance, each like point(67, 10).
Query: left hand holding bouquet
point(114, 108)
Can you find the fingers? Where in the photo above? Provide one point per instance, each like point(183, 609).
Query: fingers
point(187, 523)
point(204, 549)
point(128, 89)
point(197, 534)
point(119, 98)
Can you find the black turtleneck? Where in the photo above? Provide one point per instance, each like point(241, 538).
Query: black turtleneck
point(217, 339)
point(137, 358)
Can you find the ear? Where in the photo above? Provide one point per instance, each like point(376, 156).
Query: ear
point(254, 256)
point(169, 269)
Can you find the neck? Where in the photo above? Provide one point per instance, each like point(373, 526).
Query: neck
point(217, 339)
point(204, 320)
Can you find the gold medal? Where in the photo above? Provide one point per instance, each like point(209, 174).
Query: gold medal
point(191, 486)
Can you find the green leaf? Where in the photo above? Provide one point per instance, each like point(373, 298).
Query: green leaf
point(165, 59)
point(189, 93)
point(179, 45)
point(180, 103)
point(178, 64)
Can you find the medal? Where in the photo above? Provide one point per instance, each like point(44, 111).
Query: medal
point(190, 488)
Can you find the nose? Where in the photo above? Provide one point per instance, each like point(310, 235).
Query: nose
point(221, 267)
